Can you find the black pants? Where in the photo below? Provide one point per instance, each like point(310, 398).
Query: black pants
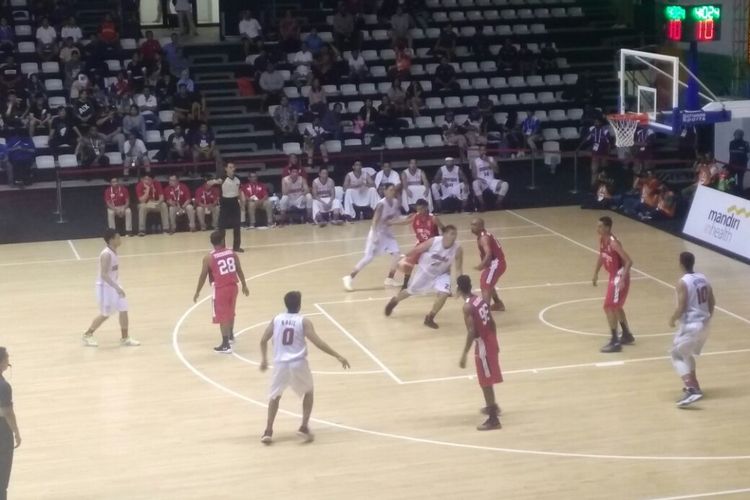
point(6, 457)
point(229, 218)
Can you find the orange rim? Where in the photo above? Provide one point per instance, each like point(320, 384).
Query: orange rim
point(629, 117)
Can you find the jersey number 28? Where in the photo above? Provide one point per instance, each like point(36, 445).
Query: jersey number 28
point(226, 266)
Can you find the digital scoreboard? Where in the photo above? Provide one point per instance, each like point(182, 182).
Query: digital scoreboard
point(692, 23)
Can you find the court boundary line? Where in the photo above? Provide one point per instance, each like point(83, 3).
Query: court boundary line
point(643, 273)
point(705, 495)
point(75, 252)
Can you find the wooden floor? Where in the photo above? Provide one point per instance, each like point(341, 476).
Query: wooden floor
point(173, 420)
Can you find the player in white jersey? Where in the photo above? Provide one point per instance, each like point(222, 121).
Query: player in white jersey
point(431, 262)
point(289, 332)
point(387, 175)
point(415, 187)
point(359, 191)
point(695, 306)
point(380, 239)
point(449, 187)
point(483, 169)
point(109, 293)
point(325, 207)
point(295, 194)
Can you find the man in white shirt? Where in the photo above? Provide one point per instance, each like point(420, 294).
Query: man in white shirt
point(136, 154)
point(71, 30)
point(357, 65)
point(46, 38)
point(387, 176)
point(483, 169)
point(148, 106)
point(326, 207)
point(303, 62)
point(359, 191)
point(250, 28)
point(415, 186)
point(449, 187)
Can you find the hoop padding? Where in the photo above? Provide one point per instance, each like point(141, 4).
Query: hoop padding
point(625, 126)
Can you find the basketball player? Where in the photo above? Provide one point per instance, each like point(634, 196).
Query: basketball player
point(425, 225)
point(695, 307)
point(295, 194)
point(483, 169)
point(614, 259)
point(289, 331)
point(222, 267)
point(380, 239)
point(482, 332)
point(415, 186)
point(325, 207)
point(109, 293)
point(449, 187)
point(492, 263)
point(432, 259)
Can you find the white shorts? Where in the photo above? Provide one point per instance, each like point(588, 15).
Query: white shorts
point(294, 374)
point(386, 244)
point(361, 197)
point(301, 202)
point(690, 338)
point(413, 193)
point(109, 300)
point(423, 283)
point(495, 185)
point(318, 206)
point(443, 192)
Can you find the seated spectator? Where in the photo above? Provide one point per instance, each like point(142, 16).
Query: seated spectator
point(179, 203)
point(387, 175)
point(135, 155)
point(120, 88)
point(705, 175)
point(272, 85)
point(117, 200)
point(450, 188)
point(358, 70)
point(474, 129)
point(302, 61)
point(21, 152)
point(72, 68)
point(526, 61)
point(46, 41)
point(317, 102)
point(313, 41)
point(177, 146)
point(453, 134)
point(414, 99)
point(401, 23)
point(402, 68)
point(445, 45)
point(148, 107)
point(108, 35)
point(445, 76)
point(67, 50)
point(80, 83)
point(134, 123)
point(255, 197)
point(486, 108)
point(366, 119)
point(325, 67)
point(514, 140)
point(7, 36)
point(84, 111)
point(165, 90)
point(285, 123)
point(507, 57)
point(136, 71)
point(645, 203)
point(186, 81)
point(667, 206)
point(150, 197)
point(173, 54)
point(38, 115)
point(325, 206)
point(360, 194)
point(13, 113)
point(548, 57)
point(295, 195)
point(725, 181)
point(207, 203)
point(109, 125)
point(397, 96)
point(289, 33)
point(92, 150)
point(480, 45)
point(314, 137)
point(149, 48)
point(62, 135)
point(10, 75)
point(331, 121)
point(415, 187)
point(157, 70)
point(71, 30)
point(188, 108)
point(483, 170)
point(345, 33)
point(388, 117)
point(250, 28)
point(204, 146)
point(532, 131)
point(93, 53)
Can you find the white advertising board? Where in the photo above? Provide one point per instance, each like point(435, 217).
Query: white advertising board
point(720, 219)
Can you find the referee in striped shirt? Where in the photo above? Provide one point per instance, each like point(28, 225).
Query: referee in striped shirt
point(230, 210)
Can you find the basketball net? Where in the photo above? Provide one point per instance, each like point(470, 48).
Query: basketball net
point(625, 126)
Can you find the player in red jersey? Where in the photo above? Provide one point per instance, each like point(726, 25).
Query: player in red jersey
point(481, 331)
point(493, 263)
point(425, 225)
point(618, 264)
point(222, 267)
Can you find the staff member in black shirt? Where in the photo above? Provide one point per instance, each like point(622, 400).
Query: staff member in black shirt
point(739, 149)
point(8, 426)
point(230, 211)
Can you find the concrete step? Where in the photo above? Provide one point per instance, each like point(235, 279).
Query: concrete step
point(214, 76)
point(207, 58)
point(220, 93)
point(219, 111)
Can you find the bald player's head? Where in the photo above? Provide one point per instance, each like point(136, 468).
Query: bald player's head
point(477, 225)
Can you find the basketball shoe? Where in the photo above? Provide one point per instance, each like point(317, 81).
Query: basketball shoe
point(223, 348)
point(305, 434)
point(612, 346)
point(627, 338)
point(490, 424)
point(391, 282)
point(430, 322)
point(690, 396)
point(347, 280)
point(266, 438)
point(89, 341)
point(129, 342)
point(390, 306)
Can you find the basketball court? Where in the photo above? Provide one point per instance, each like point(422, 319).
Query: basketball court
point(173, 419)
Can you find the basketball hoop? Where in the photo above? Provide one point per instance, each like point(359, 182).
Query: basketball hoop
point(625, 126)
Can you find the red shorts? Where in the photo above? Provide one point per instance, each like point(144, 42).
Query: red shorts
point(617, 291)
point(224, 300)
point(491, 274)
point(488, 363)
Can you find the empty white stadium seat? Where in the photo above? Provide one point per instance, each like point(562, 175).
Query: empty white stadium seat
point(433, 140)
point(26, 47)
point(333, 146)
point(330, 90)
point(570, 78)
point(535, 81)
point(379, 34)
point(550, 134)
point(371, 19)
point(569, 133)
point(501, 118)
point(488, 66)
point(370, 55)
point(546, 97)
point(291, 148)
point(552, 79)
point(527, 98)
point(417, 70)
point(470, 67)
point(558, 12)
point(53, 84)
point(353, 142)
point(128, 43)
point(456, 16)
point(557, 115)
point(45, 162)
point(575, 11)
point(394, 143)
point(115, 158)
point(367, 88)
point(538, 28)
point(417, 33)
point(575, 114)
point(521, 29)
point(28, 68)
point(355, 106)
point(165, 134)
point(508, 14)
point(40, 141)
point(153, 136)
point(423, 122)
point(426, 85)
point(541, 115)
point(470, 101)
point(464, 83)
point(504, 30)
point(474, 15)
point(384, 87)
point(50, 67)
point(516, 81)
point(326, 36)
point(434, 103)
point(57, 102)
point(114, 65)
point(452, 102)
point(67, 161)
point(440, 16)
point(166, 116)
point(525, 13)
point(432, 32)
point(23, 30)
point(509, 99)
point(18, 3)
point(467, 31)
point(551, 153)
point(498, 82)
point(480, 83)
point(301, 127)
point(414, 141)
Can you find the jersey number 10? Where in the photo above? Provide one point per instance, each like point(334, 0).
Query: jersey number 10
point(226, 266)
point(702, 293)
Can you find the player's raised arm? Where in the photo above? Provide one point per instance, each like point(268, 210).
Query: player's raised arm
point(310, 334)
point(241, 276)
point(470, 333)
point(201, 278)
point(264, 346)
point(105, 263)
point(681, 303)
